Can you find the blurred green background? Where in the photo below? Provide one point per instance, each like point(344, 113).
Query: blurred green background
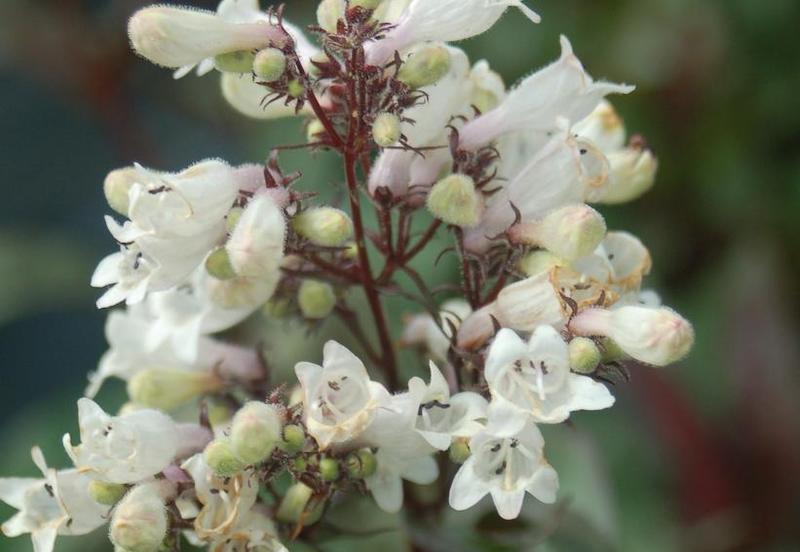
point(701, 456)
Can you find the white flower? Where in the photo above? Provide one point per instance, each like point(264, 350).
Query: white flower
point(565, 171)
point(505, 466)
point(175, 219)
point(522, 306)
point(619, 262)
point(632, 168)
point(255, 247)
point(224, 502)
point(137, 340)
point(563, 89)
point(179, 37)
point(255, 532)
point(339, 399)
point(441, 417)
point(657, 336)
point(534, 378)
point(402, 452)
point(59, 504)
point(445, 20)
point(422, 329)
point(122, 449)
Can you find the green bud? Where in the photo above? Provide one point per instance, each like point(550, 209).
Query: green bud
point(220, 457)
point(570, 232)
point(106, 494)
point(324, 226)
point(269, 64)
point(329, 469)
point(219, 414)
point(329, 12)
point(361, 464)
point(218, 265)
point(235, 62)
point(316, 299)
point(455, 201)
point(314, 129)
point(255, 432)
point(232, 218)
point(297, 507)
point(459, 450)
point(386, 129)
point(116, 187)
point(300, 464)
point(610, 350)
point(277, 307)
point(584, 355)
point(167, 389)
point(295, 89)
point(139, 523)
point(425, 66)
point(294, 438)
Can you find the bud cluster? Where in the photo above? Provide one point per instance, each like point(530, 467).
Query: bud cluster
point(549, 308)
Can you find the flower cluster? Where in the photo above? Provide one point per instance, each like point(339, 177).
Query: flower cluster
point(548, 310)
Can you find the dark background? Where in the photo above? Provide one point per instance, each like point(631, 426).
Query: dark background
point(699, 456)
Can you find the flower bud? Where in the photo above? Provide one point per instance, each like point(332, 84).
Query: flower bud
point(240, 61)
point(328, 469)
point(657, 336)
point(584, 355)
point(294, 438)
point(167, 389)
point(269, 64)
point(455, 201)
point(314, 129)
point(324, 226)
point(425, 67)
point(218, 264)
point(570, 232)
point(300, 464)
point(297, 506)
point(255, 432)
point(487, 87)
point(536, 262)
point(610, 351)
point(316, 299)
point(528, 303)
point(329, 12)
point(633, 172)
point(459, 450)
point(116, 187)
point(295, 88)
point(175, 37)
point(361, 464)
point(139, 523)
point(106, 494)
point(386, 129)
point(220, 458)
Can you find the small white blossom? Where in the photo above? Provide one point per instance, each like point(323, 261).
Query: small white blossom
point(59, 504)
point(506, 466)
point(441, 417)
point(175, 220)
point(563, 89)
point(447, 20)
point(122, 449)
point(655, 335)
point(534, 378)
point(402, 452)
point(339, 399)
point(177, 37)
point(224, 502)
